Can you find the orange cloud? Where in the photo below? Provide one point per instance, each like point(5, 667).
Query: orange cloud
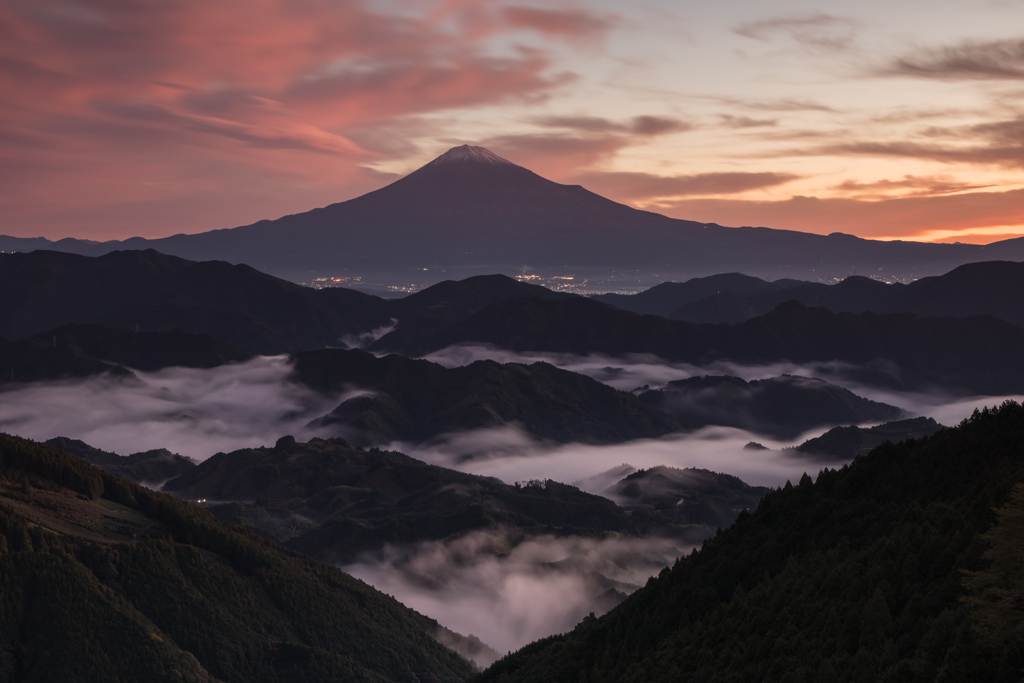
point(932, 217)
point(639, 186)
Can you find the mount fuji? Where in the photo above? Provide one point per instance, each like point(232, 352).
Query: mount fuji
point(470, 208)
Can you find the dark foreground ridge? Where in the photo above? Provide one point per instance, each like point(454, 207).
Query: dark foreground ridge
point(106, 580)
point(889, 569)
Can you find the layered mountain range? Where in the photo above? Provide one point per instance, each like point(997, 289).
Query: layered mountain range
point(861, 572)
point(470, 208)
point(990, 288)
point(230, 312)
point(902, 566)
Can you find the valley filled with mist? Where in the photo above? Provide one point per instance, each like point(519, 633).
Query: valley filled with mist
point(501, 458)
point(507, 341)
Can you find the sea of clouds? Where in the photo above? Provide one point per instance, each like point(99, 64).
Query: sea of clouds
point(509, 598)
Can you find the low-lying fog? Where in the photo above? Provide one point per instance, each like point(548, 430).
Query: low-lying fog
point(543, 586)
point(188, 411)
point(198, 412)
point(511, 455)
point(508, 598)
point(636, 370)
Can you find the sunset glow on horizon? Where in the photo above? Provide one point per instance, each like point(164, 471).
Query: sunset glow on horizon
point(883, 120)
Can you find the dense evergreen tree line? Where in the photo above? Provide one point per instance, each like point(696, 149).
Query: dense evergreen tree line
point(889, 569)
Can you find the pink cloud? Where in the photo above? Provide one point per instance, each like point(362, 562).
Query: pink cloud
point(557, 157)
point(572, 23)
point(123, 103)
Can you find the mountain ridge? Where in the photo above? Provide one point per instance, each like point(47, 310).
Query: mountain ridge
point(981, 288)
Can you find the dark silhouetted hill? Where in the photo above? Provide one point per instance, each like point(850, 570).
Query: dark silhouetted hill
point(79, 351)
point(106, 580)
point(665, 298)
point(252, 311)
point(988, 288)
point(979, 355)
point(783, 407)
point(417, 399)
point(39, 359)
point(146, 350)
point(687, 494)
point(262, 314)
point(428, 312)
point(846, 443)
point(334, 502)
point(150, 467)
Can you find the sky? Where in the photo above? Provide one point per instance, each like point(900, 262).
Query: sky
point(901, 119)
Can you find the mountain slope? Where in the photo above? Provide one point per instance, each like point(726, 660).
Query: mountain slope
point(682, 494)
point(428, 312)
point(980, 355)
point(42, 290)
point(417, 399)
point(987, 288)
point(255, 312)
point(854, 577)
point(79, 351)
point(149, 467)
point(35, 360)
point(106, 580)
point(333, 502)
point(146, 350)
point(665, 298)
point(846, 443)
point(783, 407)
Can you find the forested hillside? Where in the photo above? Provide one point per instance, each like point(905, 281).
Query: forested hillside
point(888, 569)
point(104, 580)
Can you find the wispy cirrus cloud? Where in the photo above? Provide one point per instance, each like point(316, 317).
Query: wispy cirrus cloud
point(639, 186)
point(730, 121)
point(819, 30)
point(1001, 152)
point(970, 60)
point(773, 105)
point(909, 185)
point(638, 125)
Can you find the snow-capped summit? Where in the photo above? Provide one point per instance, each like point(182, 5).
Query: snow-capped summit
point(464, 153)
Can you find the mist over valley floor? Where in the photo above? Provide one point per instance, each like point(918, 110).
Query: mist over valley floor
point(209, 473)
